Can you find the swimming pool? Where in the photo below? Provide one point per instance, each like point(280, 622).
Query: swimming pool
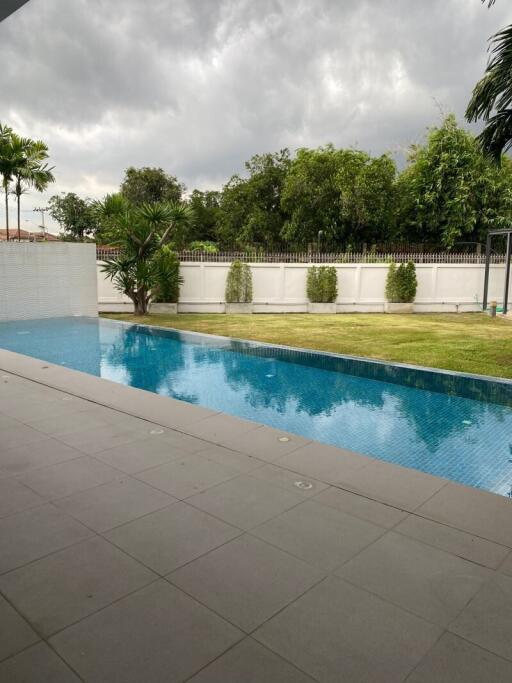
point(451, 425)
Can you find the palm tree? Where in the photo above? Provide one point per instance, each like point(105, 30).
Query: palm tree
point(7, 163)
point(30, 169)
point(492, 96)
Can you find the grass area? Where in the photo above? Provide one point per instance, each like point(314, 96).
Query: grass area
point(470, 342)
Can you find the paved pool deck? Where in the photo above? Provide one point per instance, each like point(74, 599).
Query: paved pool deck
point(146, 540)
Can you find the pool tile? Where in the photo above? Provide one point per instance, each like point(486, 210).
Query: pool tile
point(37, 664)
point(320, 535)
point(156, 634)
point(477, 512)
point(115, 503)
point(362, 507)
point(187, 476)
point(29, 535)
point(487, 619)
point(65, 587)
point(169, 538)
point(246, 580)
point(338, 632)
point(250, 662)
point(245, 501)
point(66, 478)
point(454, 660)
point(16, 634)
point(15, 497)
point(453, 541)
point(428, 582)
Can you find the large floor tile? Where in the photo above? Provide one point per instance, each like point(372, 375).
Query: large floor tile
point(319, 535)
point(401, 487)
point(18, 436)
point(246, 580)
point(66, 478)
point(266, 443)
point(7, 422)
point(187, 476)
point(221, 428)
point(71, 584)
point(31, 534)
point(233, 459)
point(453, 660)
point(337, 632)
point(506, 567)
point(419, 578)
point(289, 481)
point(325, 463)
point(362, 507)
point(28, 457)
point(453, 541)
point(245, 501)
point(99, 439)
point(115, 503)
point(141, 455)
point(76, 422)
point(487, 620)
point(15, 633)
point(37, 664)
point(250, 662)
point(15, 497)
point(157, 634)
point(169, 538)
point(477, 512)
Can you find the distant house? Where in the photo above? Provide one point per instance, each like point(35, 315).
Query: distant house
point(26, 236)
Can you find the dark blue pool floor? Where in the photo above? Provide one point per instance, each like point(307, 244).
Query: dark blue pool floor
point(452, 436)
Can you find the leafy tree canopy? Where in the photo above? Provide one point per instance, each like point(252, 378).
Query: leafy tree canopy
point(149, 185)
point(76, 216)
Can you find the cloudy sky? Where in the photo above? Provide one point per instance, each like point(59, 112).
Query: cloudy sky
point(198, 86)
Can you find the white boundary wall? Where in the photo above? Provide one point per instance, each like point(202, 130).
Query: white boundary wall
point(281, 288)
point(47, 280)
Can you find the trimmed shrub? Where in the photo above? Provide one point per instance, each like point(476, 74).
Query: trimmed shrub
point(239, 284)
point(167, 276)
point(401, 283)
point(322, 284)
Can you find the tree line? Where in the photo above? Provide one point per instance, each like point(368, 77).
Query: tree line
point(449, 193)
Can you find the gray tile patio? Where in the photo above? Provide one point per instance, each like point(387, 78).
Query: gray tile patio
point(143, 539)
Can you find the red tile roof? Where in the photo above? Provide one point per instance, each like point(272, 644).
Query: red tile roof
point(26, 236)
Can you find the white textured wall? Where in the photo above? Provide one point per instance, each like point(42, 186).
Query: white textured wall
point(282, 287)
point(47, 279)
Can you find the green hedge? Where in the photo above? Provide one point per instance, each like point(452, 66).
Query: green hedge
point(239, 284)
point(401, 283)
point(167, 276)
point(322, 284)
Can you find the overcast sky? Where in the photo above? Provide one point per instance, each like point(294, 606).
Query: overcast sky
point(198, 86)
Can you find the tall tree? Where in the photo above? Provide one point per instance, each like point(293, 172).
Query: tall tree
point(251, 210)
point(206, 208)
point(492, 96)
point(76, 216)
point(8, 162)
point(451, 191)
point(30, 169)
point(150, 185)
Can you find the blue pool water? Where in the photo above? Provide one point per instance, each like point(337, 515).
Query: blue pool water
point(453, 426)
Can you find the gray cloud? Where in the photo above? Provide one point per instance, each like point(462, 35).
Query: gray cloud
point(198, 86)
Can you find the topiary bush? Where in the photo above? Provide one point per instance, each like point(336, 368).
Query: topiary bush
point(322, 284)
point(239, 284)
point(167, 276)
point(401, 283)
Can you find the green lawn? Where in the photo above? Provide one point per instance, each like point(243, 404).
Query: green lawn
point(470, 342)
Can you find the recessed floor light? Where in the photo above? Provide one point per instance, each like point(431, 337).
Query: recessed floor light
point(156, 431)
point(283, 439)
point(67, 398)
point(304, 485)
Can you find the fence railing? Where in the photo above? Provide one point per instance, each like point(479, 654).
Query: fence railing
point(312, 257)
